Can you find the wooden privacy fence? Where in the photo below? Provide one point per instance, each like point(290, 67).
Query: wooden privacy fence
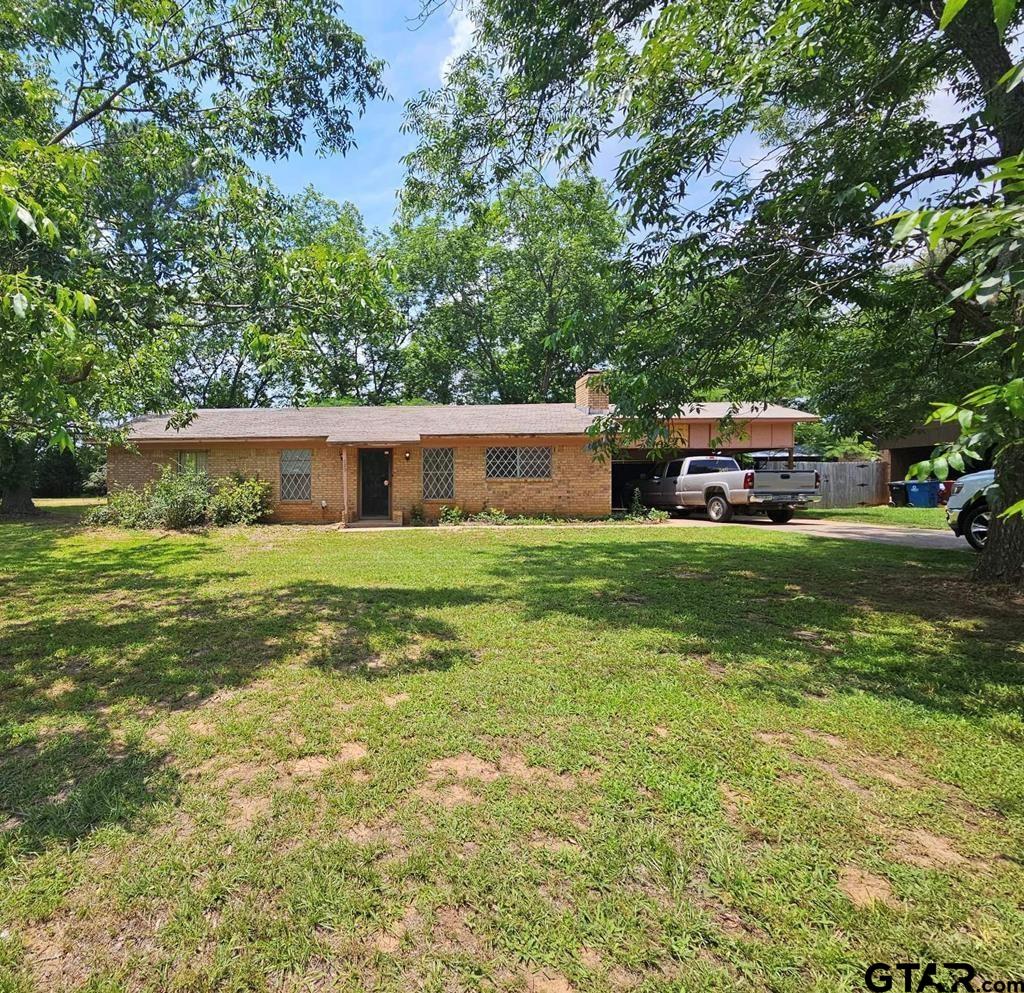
point(847, 484)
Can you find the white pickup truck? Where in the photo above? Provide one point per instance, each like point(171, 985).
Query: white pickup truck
point(719, 486)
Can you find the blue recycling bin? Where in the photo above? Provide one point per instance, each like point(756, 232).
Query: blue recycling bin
point(923, 493)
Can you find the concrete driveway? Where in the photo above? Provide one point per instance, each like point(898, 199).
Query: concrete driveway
point(910, 537)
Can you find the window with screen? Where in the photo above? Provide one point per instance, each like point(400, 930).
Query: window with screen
point(296, 474)
point(191, 461)
point(519, 462)
point(438, 473)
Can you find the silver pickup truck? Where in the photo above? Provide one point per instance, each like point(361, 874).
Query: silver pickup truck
point(719, 486)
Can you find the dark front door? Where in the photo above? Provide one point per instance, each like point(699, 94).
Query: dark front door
point(375, 482)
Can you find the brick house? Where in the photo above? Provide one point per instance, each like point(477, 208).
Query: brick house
point(348, 464)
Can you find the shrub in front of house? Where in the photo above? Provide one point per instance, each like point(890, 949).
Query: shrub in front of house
point(237, 500)
point(125, 508)
point(451, 515)
point(186, 498)
point(180, 498)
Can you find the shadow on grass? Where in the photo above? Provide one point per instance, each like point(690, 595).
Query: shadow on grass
point(97, 645)
point(887, 621)
point(155, 630)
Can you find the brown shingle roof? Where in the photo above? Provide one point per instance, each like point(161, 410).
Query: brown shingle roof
point(354, 425)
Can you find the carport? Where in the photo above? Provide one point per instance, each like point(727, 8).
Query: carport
point(699, 431)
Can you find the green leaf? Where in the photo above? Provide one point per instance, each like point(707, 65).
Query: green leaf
point(952, 8)
point(1003, 11)
point(1013, 509)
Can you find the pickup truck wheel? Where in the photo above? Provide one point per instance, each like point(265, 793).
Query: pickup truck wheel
point(780, 515)
point(974, 526)
point(719, 509)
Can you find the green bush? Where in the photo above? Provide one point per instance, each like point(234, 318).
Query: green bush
point(179, 498)
point(451, 515)
point(126, 508)
point(416, 516)
point(186, 498)
point(237, 500)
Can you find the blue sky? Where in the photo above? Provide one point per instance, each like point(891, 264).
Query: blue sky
point(416, 53)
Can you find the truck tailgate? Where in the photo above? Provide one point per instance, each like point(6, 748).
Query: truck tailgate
point(780, 481)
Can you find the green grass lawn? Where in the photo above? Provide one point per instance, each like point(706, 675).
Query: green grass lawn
point(549, 760)
point(903, 517)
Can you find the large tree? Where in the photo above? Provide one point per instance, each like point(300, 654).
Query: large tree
point(95, 102)
point(761, 145)
point(509, 298)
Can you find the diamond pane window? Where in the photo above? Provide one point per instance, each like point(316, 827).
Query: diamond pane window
point(534, 463)
point(296, 474)
point(518, 463)
point(438, 474)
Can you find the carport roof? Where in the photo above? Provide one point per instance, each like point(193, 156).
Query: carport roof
point(391, 425)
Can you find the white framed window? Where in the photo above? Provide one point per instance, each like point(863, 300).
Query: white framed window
point(191, 460)
point(296, 474)
point(518, 462)
point(438, 473)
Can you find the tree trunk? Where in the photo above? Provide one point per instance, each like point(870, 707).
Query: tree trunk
point(1002, 561)
point(17, 459)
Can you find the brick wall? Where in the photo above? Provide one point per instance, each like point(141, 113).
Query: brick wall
point(590, 396)
point(135, 469)
point(578, 487)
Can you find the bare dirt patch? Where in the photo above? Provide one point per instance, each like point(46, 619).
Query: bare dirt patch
point(864, 889)
point(621, 978)
point(446, 795)
point(445, 777)
point(725, 917)
point(733, 801)
point(311, 765)
point(393, 701)
point(464, 766)
point(452, 932)
point(660, 732)
point(773, 737)
point(352, 751)
point(248, 786)
point(62, 953)
point(58, 688)
point(546, 981)
point(389, 939)
point(927, 850)
point(516, 766)
point(244, 811)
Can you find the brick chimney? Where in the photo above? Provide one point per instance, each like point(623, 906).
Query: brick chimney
point(590, 396)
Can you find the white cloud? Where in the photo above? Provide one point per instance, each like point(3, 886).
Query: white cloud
point(461, 39)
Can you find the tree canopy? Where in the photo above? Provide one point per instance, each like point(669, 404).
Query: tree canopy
point(761, 151)
point(120, 125)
